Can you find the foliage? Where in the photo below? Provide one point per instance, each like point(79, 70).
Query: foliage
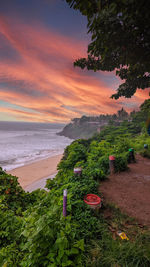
point(86, 126)
point(10, 223)
point(73, 153)
point(145, 153)
point(51, 239)
point(11, 193)
point(120, 123)
point(109, 251)
point(119, 41)
point(33, 231)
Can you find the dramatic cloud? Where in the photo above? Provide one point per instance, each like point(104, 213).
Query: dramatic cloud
point(36, 72)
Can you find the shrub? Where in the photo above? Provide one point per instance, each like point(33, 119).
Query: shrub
point(74, 153)
point(145, 153)
point(11, 193)
point(121, 162)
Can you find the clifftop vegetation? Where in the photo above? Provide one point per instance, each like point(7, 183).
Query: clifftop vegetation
point(33, 231)
point(87, 126)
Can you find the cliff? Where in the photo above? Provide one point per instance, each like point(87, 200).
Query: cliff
point(85, 127)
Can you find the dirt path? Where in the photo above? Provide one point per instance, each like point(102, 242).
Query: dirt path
point(130, 190)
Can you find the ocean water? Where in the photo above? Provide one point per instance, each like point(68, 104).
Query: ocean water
point(22, 142)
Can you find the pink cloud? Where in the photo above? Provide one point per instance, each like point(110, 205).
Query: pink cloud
point(44, 80)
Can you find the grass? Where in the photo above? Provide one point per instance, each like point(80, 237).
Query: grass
point(111, 250)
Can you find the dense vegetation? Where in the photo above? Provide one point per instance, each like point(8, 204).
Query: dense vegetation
point(87, 126)
point(120, 41)
point(33, 231)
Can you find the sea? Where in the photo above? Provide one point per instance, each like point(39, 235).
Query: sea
point(23, 142)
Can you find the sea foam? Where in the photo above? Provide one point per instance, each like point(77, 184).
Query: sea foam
point(22, 143)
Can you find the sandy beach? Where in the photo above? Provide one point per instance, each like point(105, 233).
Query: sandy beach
point(31, 173)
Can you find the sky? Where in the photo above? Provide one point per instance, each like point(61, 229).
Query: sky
point(39, 41)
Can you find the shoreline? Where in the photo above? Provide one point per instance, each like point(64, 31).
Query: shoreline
point(33, 172)
point(39, 184)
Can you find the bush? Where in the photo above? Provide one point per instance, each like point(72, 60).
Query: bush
point(145, 153)
point(121, 163)
point(11, 193)
point(74, 153)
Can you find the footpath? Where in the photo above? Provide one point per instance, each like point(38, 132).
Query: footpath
point(130, 190)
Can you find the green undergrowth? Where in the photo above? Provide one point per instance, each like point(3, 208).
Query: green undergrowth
point(33, 231)
point(110, 250)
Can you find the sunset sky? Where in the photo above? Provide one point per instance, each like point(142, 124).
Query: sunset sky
point(39, 40)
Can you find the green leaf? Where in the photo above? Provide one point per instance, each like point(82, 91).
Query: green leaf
point(67, 263)
point(80, 244)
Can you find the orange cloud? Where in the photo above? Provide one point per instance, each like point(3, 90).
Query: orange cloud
point(44, 80)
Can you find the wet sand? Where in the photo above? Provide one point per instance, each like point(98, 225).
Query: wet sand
point(39, 184)
point(35, 174)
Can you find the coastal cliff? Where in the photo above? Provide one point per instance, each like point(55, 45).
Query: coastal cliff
point(86, 126)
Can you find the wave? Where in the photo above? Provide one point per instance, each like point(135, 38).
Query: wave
point(22, 147)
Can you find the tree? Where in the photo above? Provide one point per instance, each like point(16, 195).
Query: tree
point(122, 114)
point(114, 116)
point(120, 41)
point(145, 107)
point(75, 120)
point(132, 113)
point(84, 119)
